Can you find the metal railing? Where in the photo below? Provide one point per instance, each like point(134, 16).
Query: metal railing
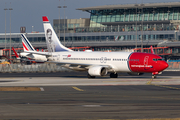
point(34, 68)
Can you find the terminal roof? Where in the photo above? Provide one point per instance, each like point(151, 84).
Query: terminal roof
point(130, 6)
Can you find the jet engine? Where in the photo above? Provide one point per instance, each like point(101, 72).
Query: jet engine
point(97, 71)
point(134, 73)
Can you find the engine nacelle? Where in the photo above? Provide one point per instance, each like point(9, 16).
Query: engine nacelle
point(134, 73)
point(97, 71)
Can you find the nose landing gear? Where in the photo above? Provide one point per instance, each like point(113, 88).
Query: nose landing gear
point(154, 75)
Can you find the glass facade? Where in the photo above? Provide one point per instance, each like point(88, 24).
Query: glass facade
point(127, 28)
point(117, 38)
point(98, 17)
point(18, 40)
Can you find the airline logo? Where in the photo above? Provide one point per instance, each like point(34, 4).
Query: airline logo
point(141, 66)
point(27, 46)
point(45, 19)
point(67, 55)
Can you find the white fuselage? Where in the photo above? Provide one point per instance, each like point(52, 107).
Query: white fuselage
point(34, 56)
point(117, 60)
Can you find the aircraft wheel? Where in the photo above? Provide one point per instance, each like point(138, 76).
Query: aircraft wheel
point(113, 75)
point(89, 76)
point(154, 76)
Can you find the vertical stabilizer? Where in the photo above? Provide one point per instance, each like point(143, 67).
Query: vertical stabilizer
point(17, 56)
point(26, 44)
point(53, 43)
point(152, 51)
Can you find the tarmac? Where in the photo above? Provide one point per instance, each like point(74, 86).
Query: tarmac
point(72, 95)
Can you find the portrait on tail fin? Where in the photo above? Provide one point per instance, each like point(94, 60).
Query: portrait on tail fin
point(51, 45)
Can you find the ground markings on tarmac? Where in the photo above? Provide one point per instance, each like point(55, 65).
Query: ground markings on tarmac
point(78, 89)
point(150, 83)
point(21, 89)
point(140, 119)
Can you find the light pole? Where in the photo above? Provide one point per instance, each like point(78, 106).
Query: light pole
point(136, 23)
point(5, 27)
point(142, 27)
point(59, 22)
point(64, 23)
point(32, 28)
point(10, 32)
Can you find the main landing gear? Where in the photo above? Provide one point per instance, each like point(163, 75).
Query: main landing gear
point(113, 75)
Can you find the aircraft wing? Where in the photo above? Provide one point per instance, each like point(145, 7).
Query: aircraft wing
point(78, 65)
point(33, 60)
point(39, 53)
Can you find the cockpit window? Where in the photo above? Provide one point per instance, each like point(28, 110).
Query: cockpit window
point(157, 59)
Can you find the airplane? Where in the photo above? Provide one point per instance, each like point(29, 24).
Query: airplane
point(28, 47)
point(99, 63)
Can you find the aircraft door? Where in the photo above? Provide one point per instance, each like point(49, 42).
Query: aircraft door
point(146, 64)
point(146, 60)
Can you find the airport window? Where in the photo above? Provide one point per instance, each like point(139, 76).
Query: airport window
point(150, 16)
point(108, 18)
point(140, 17)
point(161, 16)
point(146, 17)
point(99, 19)
point(155, 16)
point(131, 17)
point(171, 16)
point(113, 18)
point(122, 18)
point(175, 15)
point(166, 16)
point(126, 17)
point(103, 18)
point(117, 18)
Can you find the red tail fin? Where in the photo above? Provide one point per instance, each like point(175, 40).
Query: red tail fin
point(152, 51)
point(17, 56)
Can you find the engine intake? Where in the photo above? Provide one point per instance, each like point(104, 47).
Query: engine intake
point(97, 71)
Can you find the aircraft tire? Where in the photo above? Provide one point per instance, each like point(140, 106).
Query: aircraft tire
point(154, 76)
point(113, 75)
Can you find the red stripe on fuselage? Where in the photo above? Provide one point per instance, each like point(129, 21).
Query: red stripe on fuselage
point(143, 62)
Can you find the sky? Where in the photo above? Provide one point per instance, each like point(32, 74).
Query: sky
point(29, 13)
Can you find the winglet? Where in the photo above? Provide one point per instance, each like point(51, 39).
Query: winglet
point(45, 19)
point(17, 56)
point(152, 51)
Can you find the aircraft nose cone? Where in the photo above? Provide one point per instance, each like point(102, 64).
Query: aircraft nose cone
point(164, 65)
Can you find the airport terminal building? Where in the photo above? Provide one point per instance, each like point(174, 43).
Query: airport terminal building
point(115, 28)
